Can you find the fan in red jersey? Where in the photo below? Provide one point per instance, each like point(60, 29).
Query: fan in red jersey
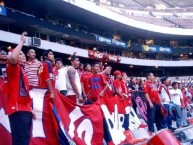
point(85, 79)
point(98, 85)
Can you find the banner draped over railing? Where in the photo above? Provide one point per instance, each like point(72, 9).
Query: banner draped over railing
point(58, 122)
point(63, 122)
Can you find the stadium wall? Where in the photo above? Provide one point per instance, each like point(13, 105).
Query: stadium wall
point(14, 38)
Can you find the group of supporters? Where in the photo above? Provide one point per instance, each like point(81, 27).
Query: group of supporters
point(83, 85)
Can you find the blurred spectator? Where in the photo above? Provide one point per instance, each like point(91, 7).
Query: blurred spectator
point(73, 84)
point(165, 98)
point(98, 85)
point(110, 89)
point(153, 104)
point(31, 68)
point(85, 79)
point(46, 73)
point(19, 102)
point(184, 105)
point(60, 73)
point(176, 98)
point(81, 69)
point(3, 60)
point(133, 84)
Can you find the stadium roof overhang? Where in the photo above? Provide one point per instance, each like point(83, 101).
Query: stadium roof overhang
point(78, 15)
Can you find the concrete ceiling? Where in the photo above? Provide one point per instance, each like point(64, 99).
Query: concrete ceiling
point(66, 11)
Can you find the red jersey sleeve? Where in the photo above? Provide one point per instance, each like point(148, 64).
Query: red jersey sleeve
point(45, 73)
point(145, 87)
point(116, 84)
point(103, 79)
point(82, 78)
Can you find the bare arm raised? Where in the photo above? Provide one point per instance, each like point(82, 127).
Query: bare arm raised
point(15, 54)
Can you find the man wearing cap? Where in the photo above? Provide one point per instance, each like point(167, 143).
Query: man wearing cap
point(118, 84)
point(123, 99)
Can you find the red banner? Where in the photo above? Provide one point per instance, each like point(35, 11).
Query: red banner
point(84, 124)
point(103, 56)
point(5, 136)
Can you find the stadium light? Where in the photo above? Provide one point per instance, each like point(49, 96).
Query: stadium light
point(8, 48)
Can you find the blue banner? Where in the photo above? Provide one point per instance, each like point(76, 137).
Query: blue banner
point(111, 41)
point(165, 49)
point(157, 49)
point(2, 11)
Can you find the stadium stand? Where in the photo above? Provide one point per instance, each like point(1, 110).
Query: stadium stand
point(180, 3)
point(167, 14)
point(153, 20)
point(182, 22)
point(126, 3)
point(153, 3)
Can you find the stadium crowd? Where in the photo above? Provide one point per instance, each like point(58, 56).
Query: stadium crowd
point(83, 84)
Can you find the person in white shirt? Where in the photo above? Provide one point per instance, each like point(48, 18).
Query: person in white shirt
point(73, 83)
point(165, 98)
point(60, 73)
point(176, 97)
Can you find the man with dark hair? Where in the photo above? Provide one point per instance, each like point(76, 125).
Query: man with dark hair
point(153, 104)
point(85, 79)
point(110, 89)
point(60, 73)
point(125, 89)
point(73, 84)
point(31, 68)
point(165, 98)
point(98, 85)
point(45, 74)
point(81, 69)
point(176, 99)
point(19, 102)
